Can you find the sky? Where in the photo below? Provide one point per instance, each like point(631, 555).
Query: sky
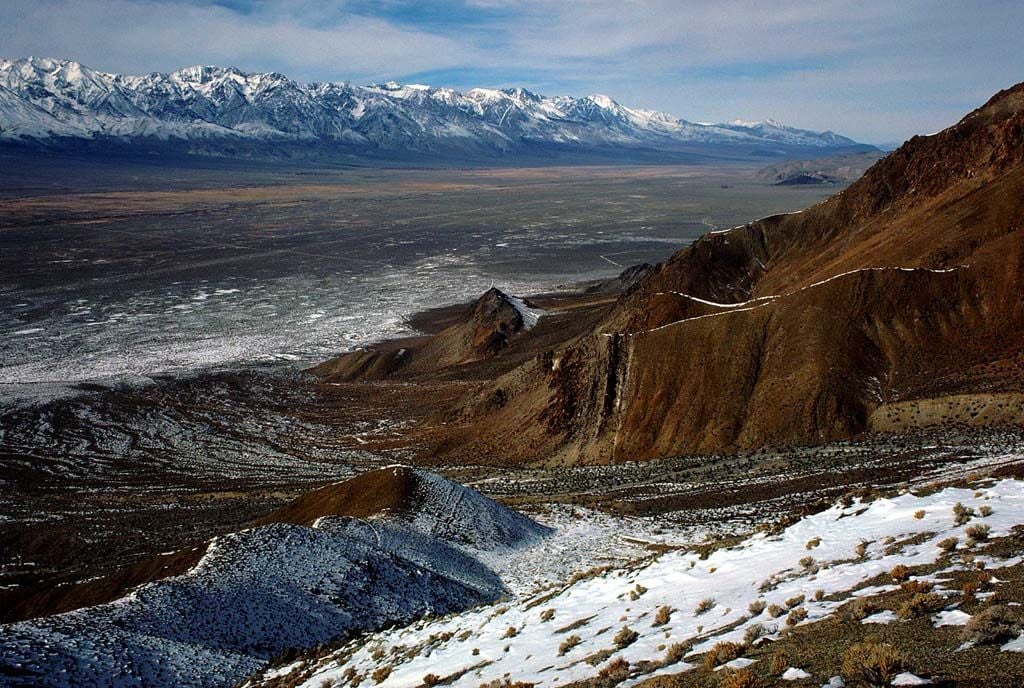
point(877, 71)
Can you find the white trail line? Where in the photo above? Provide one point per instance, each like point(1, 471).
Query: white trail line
point(620, 265)
point(761, 301)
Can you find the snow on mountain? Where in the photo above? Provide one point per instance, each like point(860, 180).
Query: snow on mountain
point(45, 99)
point(259, 591)
point(679, 604)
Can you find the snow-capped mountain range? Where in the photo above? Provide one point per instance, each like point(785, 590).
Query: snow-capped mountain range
point(50, 101)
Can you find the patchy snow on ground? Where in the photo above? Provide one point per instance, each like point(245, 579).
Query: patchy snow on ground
point(257, 592)
point(545, 637)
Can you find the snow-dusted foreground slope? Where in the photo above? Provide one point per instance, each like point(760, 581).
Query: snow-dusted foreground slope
point(260, 591)
point(814, 565)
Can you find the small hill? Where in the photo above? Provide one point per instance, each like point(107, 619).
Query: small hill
point(420, 501)
point(832, 169)
point(492, 322)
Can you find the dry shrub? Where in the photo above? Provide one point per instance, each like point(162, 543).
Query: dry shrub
point(381, 673)
point(511, 632)
point(985, 510)
point(915, 587)
point(813, 542)
point(506, 683)
point(978, 532)
point(663, 616)
point(796, 616)
point(874, 663)
point(740, 678)
point(636, 592)
point(616, 670)
point(547, 615)
point(859, 609)
point(676, 652)
point(994, 624)
point(431, 680)
point(721, 653)
point(962, 514)
point(919, 514)
point(899, 573)
point(753, 632)
point(861, 549)
point(920, 605)
point(795, 601)
point(819, 595)
point(775, 611)
point(780, 661)
point(625, 637)
point(949, 544)
point(806, 562)
point(568, 644)
point(704, 606)
point(756, 607)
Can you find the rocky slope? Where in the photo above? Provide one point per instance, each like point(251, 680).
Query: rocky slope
point(226, 112)
point(309, 574)
point(895, 304)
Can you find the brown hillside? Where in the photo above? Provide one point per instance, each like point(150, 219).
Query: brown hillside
point(905, 288)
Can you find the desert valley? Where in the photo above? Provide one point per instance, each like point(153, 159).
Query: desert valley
point(315, 384)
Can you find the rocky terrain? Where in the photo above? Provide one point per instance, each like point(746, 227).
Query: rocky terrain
point(894, 305)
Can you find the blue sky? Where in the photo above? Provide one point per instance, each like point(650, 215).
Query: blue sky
point(877, 71)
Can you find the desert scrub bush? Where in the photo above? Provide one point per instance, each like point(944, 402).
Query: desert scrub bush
point(813, 542)
point(861, 549)
point(992, 625)
point(899, 573)
point(431, 680)
point(795, 601)
point(874, 663)
point(859, 609)
point(636, 592)
point(506, 683)
point(676, 652)
point(547, 615)
point(739, 678)
point(806, 562)
point(796, 616)
point(919, 514)
point(780, 661)
point(756, 607)
point(721, 653)
point(663, 616)
point(961, 514)
point(616, 670)
point(511, 632)
point(753, 633)
point(916, 587)
point(775, 611)
point(978, 532)
point(969, 590)
point(568, 644)
point(625, 637)
point(819, 595)
point(985, 510)
point(704, 606)
point(921, 604)
point(381, 673)
point(948, 545)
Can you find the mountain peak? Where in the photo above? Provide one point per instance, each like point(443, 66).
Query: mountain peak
point(61, 99)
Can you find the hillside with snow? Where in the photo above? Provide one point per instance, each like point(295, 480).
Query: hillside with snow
point(224, 111)
point(891, 564)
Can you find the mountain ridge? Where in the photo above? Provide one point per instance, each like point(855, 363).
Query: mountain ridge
point(224, 110)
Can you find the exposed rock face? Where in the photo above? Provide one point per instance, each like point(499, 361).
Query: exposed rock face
point(801, 328)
